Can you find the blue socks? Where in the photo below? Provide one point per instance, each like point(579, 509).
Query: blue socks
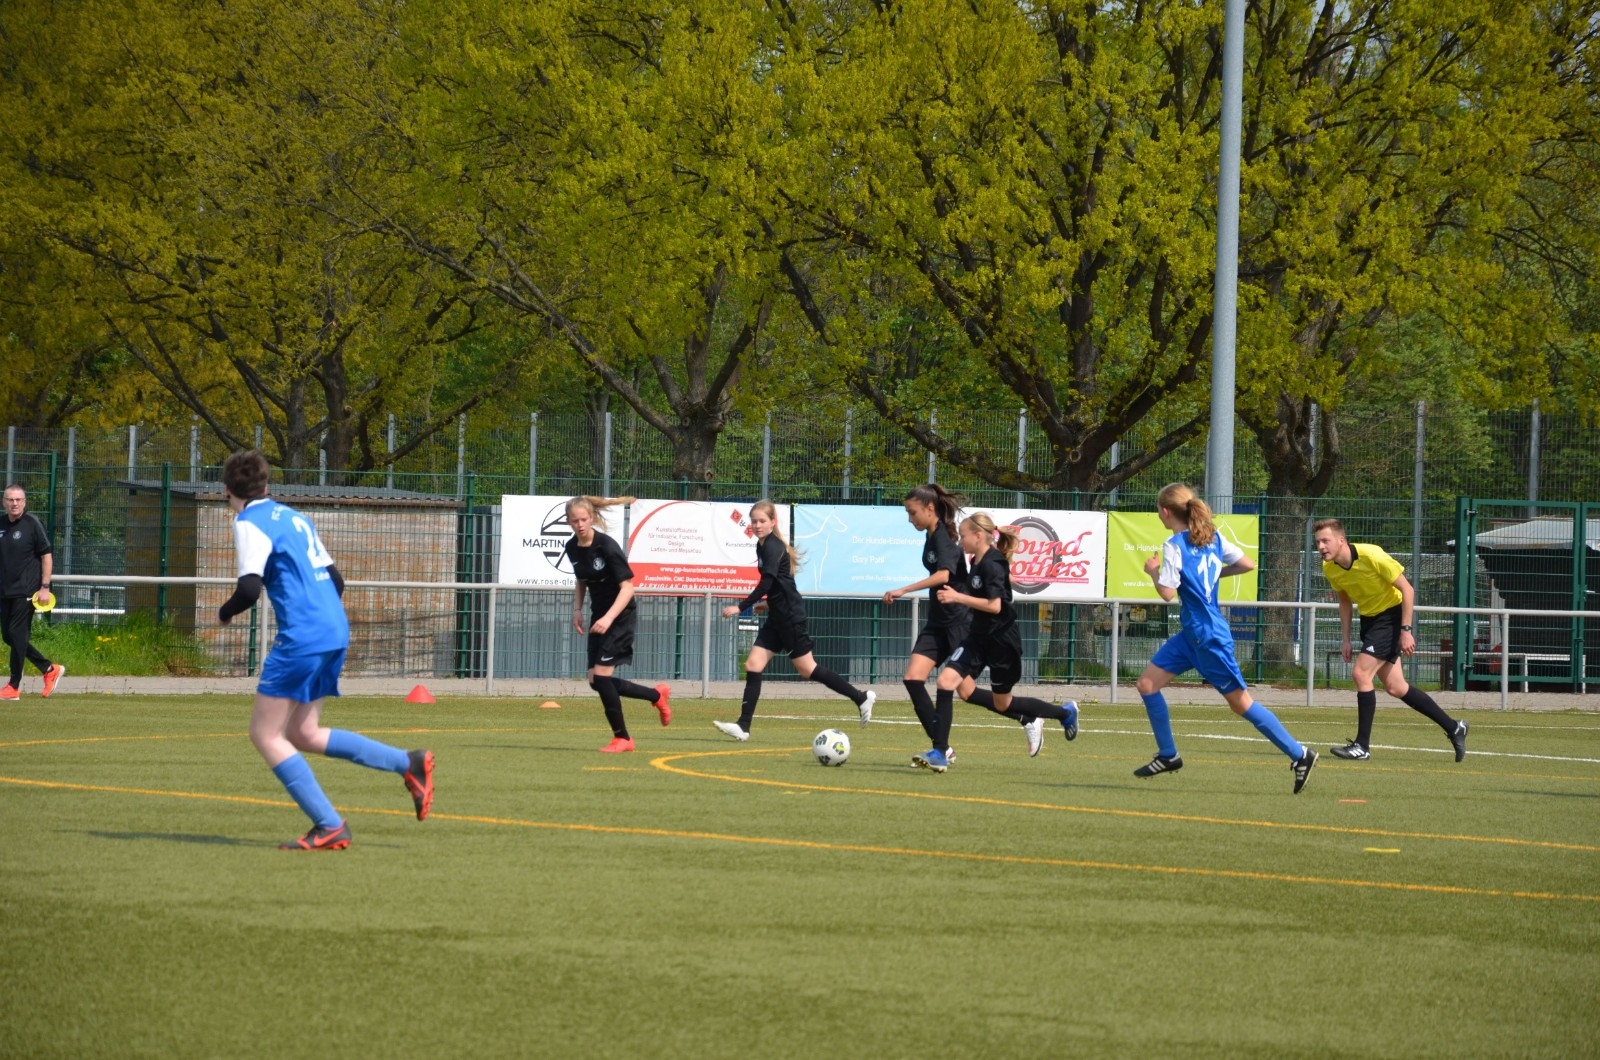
point(1155, 708)
point(301, 784)
point(1268, 725)
point(353, 747)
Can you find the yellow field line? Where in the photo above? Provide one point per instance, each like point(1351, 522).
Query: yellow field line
point(859, 848)
point(664, 763)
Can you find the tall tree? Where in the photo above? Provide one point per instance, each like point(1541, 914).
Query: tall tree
point(197, 163)
point(591, 167)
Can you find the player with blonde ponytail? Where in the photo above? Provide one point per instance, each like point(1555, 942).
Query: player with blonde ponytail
point(1191, 564)
point(993, 642)
point(785, 627)
point(601, 569)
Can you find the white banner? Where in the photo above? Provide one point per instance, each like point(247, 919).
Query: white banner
point(533, 535)
point(1060, 555)
point(695, 545)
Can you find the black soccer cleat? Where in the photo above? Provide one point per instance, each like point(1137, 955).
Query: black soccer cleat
point(1352, 750)
point(1458, 740)
point(1159, 764)
point(320, 838)
point(1302, 769)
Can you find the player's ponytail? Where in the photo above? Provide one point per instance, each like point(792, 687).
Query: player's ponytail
point(596, 507)
point(1181, 501)
point(771, 509)
point(946, 504)
point(1004, 538)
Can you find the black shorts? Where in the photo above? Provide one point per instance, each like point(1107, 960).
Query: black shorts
point(1380, 635)
point(614, 647)
point(939, 642)
point(777, 635)
point(1001, 655)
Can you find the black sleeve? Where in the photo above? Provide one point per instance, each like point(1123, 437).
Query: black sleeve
point(244, 597)
point(769, 574)
point(41, 542)
point(994, 576)
point(948, 555)
point(617, 560)
point(338, 579)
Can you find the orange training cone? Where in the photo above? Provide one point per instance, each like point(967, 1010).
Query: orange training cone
point(420, 694)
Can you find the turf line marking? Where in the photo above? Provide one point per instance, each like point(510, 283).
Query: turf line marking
point(665, 764)
point(1229, 737)
point(851, 848)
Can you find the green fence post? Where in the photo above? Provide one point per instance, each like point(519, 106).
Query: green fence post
point(1465, 590)
point(1072, 643)
point(1580, 549)
point(50, 522)
point(166, 539)
point(250, 650)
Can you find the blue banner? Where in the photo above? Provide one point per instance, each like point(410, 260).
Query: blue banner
point(856, 549)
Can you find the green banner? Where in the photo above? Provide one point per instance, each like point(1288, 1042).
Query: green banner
point(1133, 537)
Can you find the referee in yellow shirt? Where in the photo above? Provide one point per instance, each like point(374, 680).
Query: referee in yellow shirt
point(1374, 582)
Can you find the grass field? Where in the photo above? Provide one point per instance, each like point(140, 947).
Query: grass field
point(702, 898)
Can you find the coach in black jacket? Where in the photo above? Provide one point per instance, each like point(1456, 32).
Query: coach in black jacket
point(25, 567)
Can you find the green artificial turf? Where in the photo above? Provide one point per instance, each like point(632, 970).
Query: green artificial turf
point(702, 898)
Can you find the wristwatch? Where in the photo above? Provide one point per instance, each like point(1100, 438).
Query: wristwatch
point(1405, 629)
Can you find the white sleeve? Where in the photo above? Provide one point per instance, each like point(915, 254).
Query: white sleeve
point(1171, 574)
point(1231, 553)
point(254, 548)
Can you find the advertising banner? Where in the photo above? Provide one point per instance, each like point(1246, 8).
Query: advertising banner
point(1060, 555)
point(1136, 536)
point(692, 546)
point(533, 533)
point(853, 548)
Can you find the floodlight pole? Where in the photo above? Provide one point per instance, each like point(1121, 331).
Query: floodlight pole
point(1225, 294)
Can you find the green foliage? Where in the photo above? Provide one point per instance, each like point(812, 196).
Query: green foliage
point(133, 645)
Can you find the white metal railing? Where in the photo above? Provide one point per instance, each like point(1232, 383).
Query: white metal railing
point(495, 589)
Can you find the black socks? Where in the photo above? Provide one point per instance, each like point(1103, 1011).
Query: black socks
point(612, 702)
point(1424, 704)
point(1366, 709)
point(835, 683)
point(633, 691)
point(923, 705)
point(752, 695)
point(944, 713)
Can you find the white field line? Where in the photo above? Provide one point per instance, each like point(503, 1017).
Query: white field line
point(1242, 738)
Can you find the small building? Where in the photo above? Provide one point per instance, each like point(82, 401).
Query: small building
point(185, 529)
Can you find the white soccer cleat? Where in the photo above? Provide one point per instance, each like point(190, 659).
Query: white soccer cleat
point(865, 707)
point(730, 728)
point(1035, 731)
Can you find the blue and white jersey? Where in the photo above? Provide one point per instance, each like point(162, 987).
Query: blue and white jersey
point(279, 544)
point(1195, 572)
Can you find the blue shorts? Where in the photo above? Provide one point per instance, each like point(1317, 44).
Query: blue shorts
point(1213, 660)
point(302, 678)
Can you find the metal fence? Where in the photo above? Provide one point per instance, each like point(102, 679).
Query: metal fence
point(511, 631)
point(145, 502)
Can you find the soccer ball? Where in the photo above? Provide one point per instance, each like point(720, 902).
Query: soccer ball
point(831, 747)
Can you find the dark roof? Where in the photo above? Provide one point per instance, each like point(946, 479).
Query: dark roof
point(212, 491)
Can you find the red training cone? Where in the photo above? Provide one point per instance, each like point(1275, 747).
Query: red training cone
point(420, 694)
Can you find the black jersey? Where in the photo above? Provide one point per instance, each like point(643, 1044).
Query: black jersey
point(602, 568)
point(777, 582)
point(941, 552)
point(990, 579)
point(22, 549)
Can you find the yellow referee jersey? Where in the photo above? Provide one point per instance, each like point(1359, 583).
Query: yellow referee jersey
point(1370, 579)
